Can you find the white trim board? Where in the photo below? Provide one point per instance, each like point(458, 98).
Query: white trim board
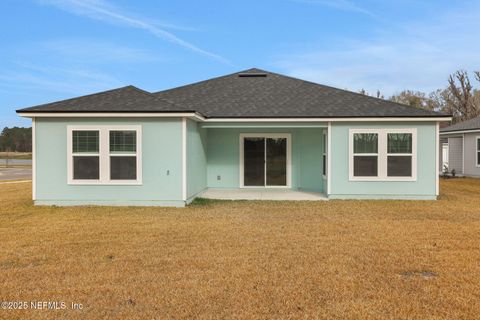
point(459, 132)
point(34, 161)
point(329, 158)
point(477, 151)
point(287, 136)
point(198, 117)
point(437, 159)
point(184, 159)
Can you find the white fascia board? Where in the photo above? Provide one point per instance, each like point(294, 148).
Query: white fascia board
point(198, 117)
point(359, 119)
point(458, 132)
point(190, 115)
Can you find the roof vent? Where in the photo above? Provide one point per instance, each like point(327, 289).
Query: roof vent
point(252, 75)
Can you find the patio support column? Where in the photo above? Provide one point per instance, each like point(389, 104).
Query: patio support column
point(34, 166)
point(437, 158)
point(329, 158)
point(184, 159)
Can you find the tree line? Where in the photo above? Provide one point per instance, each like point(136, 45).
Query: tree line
point(16, 139)
point(459, 97)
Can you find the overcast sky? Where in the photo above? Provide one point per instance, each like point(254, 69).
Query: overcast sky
point(58, 49)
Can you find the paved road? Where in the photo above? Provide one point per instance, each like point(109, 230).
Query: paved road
point(15, 174)
point(16, 161)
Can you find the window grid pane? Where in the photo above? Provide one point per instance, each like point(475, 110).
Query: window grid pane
point(123, 168)
point(365, 143)
point(85, 141)
point(399, 166)
point(399, 143)
point(86, 167)
point(123, 141)
point(365, 166)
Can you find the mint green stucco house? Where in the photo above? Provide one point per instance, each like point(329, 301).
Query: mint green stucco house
point(253, 130)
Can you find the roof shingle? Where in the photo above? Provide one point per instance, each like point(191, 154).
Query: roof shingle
point(275, 95)
point(252, 93)
point(472, 124)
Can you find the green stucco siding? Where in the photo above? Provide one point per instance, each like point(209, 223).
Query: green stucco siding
point(161, 165)
point(223, 157)
point(423, 188)
point(196, 159)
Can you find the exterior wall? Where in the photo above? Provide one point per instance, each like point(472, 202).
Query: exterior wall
point(196, 159)
point(161, 165)
point(471, 168)
point(223, 156)
point(423, 188)
point(455, 154)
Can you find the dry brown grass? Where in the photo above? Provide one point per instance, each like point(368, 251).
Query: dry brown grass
point(330, 260)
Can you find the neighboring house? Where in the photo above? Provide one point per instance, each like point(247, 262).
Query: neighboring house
point(460, 145)
point(252, 129)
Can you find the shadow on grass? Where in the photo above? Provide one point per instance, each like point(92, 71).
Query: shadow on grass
point(207, 202)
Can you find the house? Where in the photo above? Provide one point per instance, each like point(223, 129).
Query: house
point(460, 148)
point(252, 130)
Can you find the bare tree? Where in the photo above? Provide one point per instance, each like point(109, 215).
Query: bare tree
point(464, 102)
point(415, 99)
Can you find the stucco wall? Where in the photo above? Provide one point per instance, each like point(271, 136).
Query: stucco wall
point(423, 188)
point(196, 159)
point(161, 165)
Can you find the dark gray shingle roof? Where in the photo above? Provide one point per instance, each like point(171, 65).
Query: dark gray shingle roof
point(472, 124)
point(252, 93)
point(125, 99)
point(275, 95)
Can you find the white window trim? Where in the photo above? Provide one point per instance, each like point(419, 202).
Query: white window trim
point(288, 136)
point(382, 154)
point(104, 154)
point(476, 149)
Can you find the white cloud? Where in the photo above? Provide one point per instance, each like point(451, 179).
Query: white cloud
point(419, 57)
point(74, 81)
point(103, 11)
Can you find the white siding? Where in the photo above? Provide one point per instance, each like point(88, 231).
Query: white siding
point(455, 154)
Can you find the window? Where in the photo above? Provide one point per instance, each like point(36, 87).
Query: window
point(365, 154)
point(478, 151)
point(382, 154)
point(85, 153)
point(123, 159)
point(399, 155)
point(104, 154)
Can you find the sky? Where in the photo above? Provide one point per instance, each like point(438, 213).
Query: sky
point(58, 49)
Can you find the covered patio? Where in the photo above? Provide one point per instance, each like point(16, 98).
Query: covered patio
point(262, 194)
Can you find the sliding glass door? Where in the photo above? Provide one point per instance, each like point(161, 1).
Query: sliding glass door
point(265, 161)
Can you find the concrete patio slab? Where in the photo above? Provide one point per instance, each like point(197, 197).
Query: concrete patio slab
point(262, 194)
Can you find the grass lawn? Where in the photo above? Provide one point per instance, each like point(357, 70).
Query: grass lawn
point(327, 260)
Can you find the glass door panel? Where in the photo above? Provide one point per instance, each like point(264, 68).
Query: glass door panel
point(254, 162)
point(276, 160)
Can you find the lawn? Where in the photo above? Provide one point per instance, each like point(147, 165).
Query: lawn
point(322, 260)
